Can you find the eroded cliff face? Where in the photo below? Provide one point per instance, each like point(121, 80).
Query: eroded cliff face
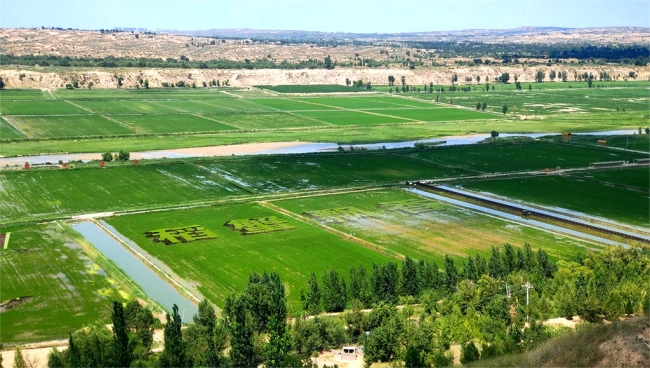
point(108, 78)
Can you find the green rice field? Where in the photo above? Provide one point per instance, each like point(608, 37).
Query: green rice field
point(308, 172)
point(591, 197)
point(312, 88)
point(429, 230)
point(489, 158)
point(221, 266)
point(35, 194)
point(64, 289)
point(225, 115)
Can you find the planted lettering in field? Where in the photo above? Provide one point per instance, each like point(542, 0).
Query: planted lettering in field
point(339, 215)
point(259, 225)
point(411, 206)
point(184, 234)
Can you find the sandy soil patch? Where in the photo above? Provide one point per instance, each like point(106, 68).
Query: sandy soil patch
point(561, 321)
point(332, 357)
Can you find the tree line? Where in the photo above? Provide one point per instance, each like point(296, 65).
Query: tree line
point(495, 303)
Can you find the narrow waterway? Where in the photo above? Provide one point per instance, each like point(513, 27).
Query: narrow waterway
point(290, 147)
point(519, 219)
point(150, 282)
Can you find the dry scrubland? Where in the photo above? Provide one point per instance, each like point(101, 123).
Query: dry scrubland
point(77, 43)
point(164, 45)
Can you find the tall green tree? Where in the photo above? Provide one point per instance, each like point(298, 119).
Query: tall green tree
point(495, 264)
point(173, 355)
point(241, 327)
point(279, 346)
point(333, 291)
point(451, 274)
point(121, 351)
point(311, 300)
point(360, 286)
point(409, 282)
point(19, 360)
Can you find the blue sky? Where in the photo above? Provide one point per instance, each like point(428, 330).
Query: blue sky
point(328, 15)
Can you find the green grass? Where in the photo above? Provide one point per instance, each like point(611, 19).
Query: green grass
point(439, 114)
point(7, 131)
point(39, 108)
point(636, 177)
point(287, 104)
point(350, 117)
point(43, 193)
point(69, 290)
point(505, 157)
point(170, 123)
point(278, 120)
point(221, 266)
point(312, 88)
point(67, 126)
point(125, 107)
point(287, 173)
point(432, 234)
point(589, 197)
point(21, 94)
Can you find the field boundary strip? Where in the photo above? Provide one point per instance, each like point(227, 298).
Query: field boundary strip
point(4, 117)
point(151, 264)
point(217, 121)
point(80, 107)
point(292, 113)
point(118, 122)
point(348, 237)
point(230, 94)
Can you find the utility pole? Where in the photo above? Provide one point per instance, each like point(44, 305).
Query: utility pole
point(528, 286)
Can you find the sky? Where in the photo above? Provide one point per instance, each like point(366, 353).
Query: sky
point(362, 16)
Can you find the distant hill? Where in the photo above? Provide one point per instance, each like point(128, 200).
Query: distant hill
point(459, 35)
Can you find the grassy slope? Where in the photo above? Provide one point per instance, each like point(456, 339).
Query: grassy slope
point(221, 266)
point(584, 196)
point(69, 289)
point(433, 234)
point(623, 344)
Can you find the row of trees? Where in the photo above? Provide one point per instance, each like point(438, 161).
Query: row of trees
point(119, 156)
point(485, 301)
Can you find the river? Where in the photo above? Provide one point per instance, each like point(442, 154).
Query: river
point(282, 148)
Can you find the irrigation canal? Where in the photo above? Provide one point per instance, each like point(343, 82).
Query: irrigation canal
point(150, 282)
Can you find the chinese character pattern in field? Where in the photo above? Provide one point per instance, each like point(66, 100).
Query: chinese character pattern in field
point(183, 234)
point(258, 225)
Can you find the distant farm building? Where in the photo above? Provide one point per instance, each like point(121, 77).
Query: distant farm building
point(566, 137)
point(602, 142)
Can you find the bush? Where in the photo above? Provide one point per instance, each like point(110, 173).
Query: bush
point(469, 353)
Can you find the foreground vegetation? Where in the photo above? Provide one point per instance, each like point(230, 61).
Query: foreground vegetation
point(469, 306)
